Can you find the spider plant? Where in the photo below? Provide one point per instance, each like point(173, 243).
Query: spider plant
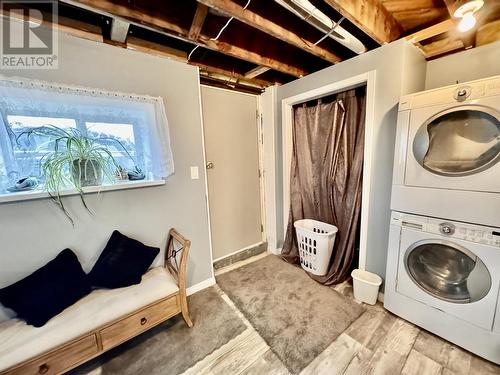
point(74, 161)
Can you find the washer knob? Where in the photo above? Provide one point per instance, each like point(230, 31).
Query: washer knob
point(462, 93)
point(447, 228)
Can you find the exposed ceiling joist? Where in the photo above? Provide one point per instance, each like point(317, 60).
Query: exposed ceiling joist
point(160, 24)
point(256, 71)
point(488, 33)
point(232, 76)
point(198, 20)
point(370, 16)
point(441, 46)
point(431, 31)
point(233, 9)
point(119, 30)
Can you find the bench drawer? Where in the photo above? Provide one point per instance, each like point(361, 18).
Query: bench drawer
point(61, 359)
point(138, 322)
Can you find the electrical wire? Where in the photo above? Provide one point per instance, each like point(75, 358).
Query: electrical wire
point(221, 30)
point(330, 32)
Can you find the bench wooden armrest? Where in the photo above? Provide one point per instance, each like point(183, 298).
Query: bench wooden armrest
point(177, 243)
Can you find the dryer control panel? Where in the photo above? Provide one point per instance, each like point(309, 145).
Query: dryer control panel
point(450, 229)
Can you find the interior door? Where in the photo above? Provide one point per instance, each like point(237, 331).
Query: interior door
point(232, 153)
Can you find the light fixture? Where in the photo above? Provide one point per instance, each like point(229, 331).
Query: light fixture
point(466, 13)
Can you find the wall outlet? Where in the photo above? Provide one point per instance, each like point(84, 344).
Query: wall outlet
point(195, 174)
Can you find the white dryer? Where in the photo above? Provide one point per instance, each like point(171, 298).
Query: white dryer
point(445, 277)
point(447, 153)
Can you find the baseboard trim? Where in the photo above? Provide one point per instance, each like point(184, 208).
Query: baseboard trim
point(257, 244)
point(239, 255)
point(200, 286)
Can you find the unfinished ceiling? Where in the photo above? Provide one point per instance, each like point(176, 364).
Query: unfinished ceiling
point(250, 44)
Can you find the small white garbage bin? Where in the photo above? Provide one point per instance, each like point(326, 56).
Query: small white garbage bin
point(366, 285)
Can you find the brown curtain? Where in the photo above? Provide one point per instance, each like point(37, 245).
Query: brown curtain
point(326, 175)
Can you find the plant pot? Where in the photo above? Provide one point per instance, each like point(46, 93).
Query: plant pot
point(87, 172)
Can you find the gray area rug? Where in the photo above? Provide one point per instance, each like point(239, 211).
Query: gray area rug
point(296, 316)
point(171, 347)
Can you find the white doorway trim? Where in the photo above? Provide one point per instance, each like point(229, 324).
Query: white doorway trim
point(287, 104)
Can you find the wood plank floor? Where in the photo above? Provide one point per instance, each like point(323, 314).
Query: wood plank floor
point(378, 342)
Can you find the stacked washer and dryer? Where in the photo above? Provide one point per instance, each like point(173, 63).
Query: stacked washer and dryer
point(443, 266)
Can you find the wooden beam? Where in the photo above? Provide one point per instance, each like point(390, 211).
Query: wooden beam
point(371, 17)
point(442, 46)
point(162, 25)
point(155, 49)
point(488, 33)
point(256, 71)
point(254, 81)
point(228, 85)
point(233, 9)
point(198, 20)
point(431, 31)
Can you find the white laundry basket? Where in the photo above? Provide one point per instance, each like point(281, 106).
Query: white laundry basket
point(315, 240)
point(365, 285)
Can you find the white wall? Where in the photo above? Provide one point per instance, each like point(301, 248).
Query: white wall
point(400, 69)
point(476, 63)
point(33, 232)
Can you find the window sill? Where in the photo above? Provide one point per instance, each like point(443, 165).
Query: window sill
point(41, 194)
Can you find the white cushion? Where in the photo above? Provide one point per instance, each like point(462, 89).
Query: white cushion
point(20, 342)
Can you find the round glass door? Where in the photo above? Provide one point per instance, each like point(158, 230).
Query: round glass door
point(448, 271)
point(460, 141)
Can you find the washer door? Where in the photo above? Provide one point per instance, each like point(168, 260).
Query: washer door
point(447, 271)
point(460, 141)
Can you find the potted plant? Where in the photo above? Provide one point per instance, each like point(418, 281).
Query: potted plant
point(75, 161)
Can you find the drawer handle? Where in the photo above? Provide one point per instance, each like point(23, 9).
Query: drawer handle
point(43, 369)
point(143, 321)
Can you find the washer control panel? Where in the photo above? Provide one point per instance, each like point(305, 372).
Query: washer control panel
point(468, 232)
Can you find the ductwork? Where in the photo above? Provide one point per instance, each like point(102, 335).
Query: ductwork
point(315, 17)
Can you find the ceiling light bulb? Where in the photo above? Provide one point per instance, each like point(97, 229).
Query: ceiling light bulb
point(468, 22)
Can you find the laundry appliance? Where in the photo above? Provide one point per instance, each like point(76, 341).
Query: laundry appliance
point(444, 276)
point(447, 153)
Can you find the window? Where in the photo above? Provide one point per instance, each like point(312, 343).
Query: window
point(132, 129)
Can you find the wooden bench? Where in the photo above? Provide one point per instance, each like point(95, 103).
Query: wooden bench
point(77, 350)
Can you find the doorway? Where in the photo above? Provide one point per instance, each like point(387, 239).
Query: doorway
point(366, 79)
point(232, 134)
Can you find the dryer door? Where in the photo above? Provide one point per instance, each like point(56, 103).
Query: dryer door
point(450, 274)
point(454, 148)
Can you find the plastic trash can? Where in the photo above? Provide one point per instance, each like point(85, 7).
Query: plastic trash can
point(366, 285)
point(315, 240)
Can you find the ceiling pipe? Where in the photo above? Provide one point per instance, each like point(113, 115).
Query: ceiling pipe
point(313, 16)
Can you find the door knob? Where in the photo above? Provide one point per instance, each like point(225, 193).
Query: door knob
point(210, 165)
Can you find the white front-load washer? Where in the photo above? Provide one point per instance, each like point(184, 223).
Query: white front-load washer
point(447, 153)
point(445, 277)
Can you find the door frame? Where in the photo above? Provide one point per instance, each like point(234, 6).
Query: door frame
point(258, 123)
point(287, 104)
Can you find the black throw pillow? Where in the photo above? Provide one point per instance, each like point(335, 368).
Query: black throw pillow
point(122, 262)
point(47, 291)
